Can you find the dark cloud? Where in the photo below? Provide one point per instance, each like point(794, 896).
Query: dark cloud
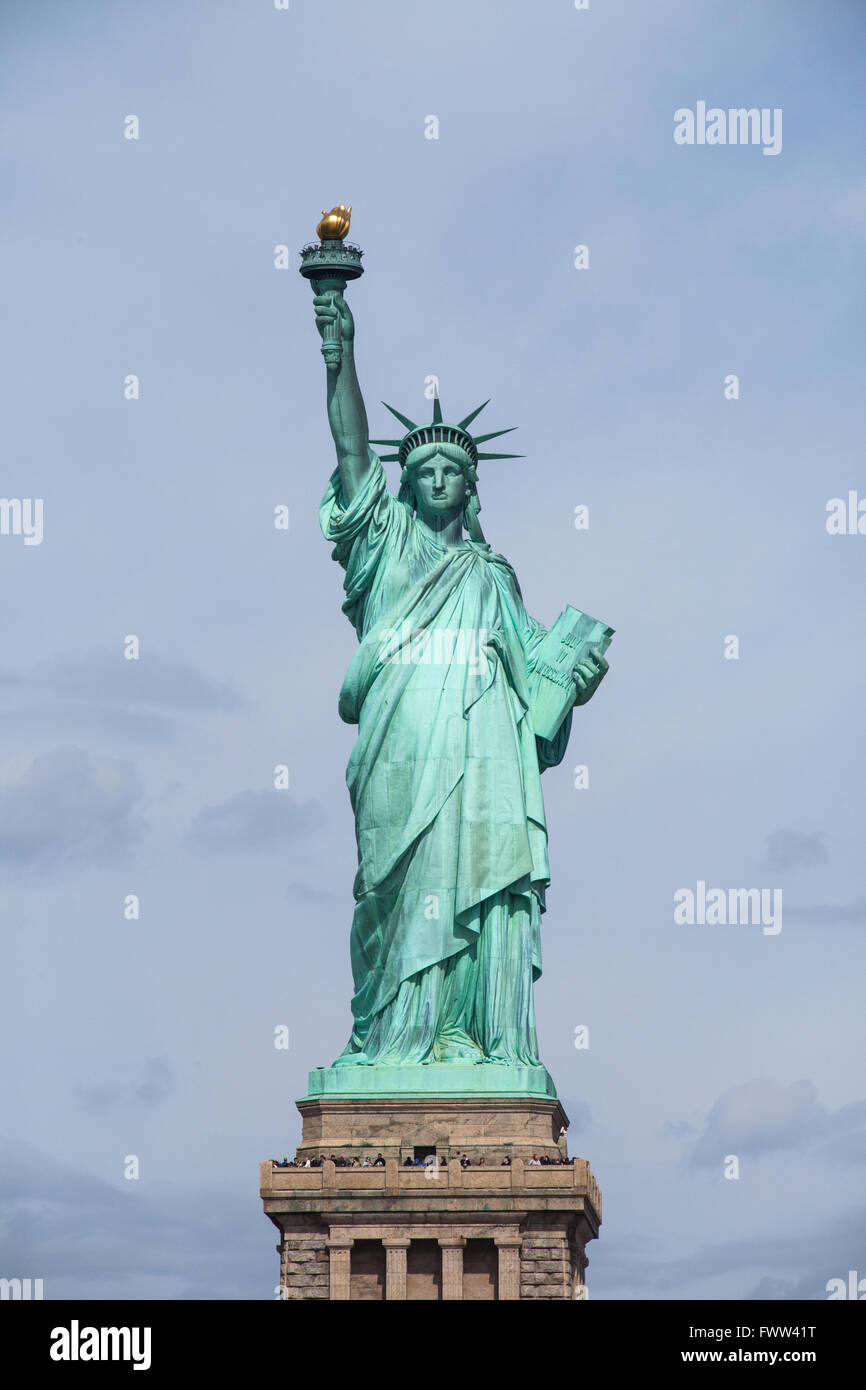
point(764, 1116)
point(108, 678)
point(772, 1289)
point(254, 820)
point(794, 849)
point(788, 1266)
point(677, 1129)
point(309, 892)
point(157, 1082)
point(758, 1117)
point(37, 723)
point(149, 1085)
point(69, 808)
point(851, 914)
point(98, 1099)
point(142, 700)
point(846, 1134)
point(90, 1239)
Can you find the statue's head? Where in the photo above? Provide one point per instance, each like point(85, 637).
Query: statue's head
point(439, 464)
point(438, 478)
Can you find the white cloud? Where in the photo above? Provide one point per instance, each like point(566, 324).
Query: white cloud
point(69, 808)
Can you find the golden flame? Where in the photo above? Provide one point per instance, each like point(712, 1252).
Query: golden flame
point(335, 224)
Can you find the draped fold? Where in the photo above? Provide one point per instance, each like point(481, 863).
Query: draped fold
point(445, 776)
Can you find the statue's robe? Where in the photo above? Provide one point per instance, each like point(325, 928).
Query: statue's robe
point(445, 784)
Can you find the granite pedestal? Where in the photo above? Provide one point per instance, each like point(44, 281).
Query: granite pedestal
point(443, 1231)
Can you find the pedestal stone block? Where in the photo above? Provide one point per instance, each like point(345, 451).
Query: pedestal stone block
point(442, 1231)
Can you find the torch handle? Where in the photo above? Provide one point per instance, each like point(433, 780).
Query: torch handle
point(332, 346)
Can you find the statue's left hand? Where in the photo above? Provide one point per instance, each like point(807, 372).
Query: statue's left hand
point(588, 675)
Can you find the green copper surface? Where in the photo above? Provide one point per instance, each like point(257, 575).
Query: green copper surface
point(437, 1078)
point(445, 775)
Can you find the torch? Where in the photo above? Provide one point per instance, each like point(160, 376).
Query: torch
point(330, 264)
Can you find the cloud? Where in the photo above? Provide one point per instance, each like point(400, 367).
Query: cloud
point(69, 808)
point(778, 1267)
point(759, 1117)
point(110, 679)
point(157, 1083)
point(89, 1239)
point(770, 1289)
point(764, 1116)
point(142, 700)
point(308, 892)
point(833, 914)
point(846, 1133)
point(149, 1085)
point(794, 849)
point(38, 723)
point(253, 820)
point(677, 1129)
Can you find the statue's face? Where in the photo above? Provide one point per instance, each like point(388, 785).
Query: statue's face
point(439, 485)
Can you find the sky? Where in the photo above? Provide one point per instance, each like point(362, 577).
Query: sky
point(725, 747)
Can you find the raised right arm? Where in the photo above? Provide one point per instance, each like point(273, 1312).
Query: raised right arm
point(346, 413)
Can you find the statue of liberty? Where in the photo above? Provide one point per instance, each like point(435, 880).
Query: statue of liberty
point(445, 776)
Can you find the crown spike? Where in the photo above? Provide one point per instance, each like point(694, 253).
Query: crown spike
point(482, 438)
point(476, 411)
point(438, 430)
point(410, 424)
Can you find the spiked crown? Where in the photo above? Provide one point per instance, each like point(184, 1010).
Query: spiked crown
point(440, 432)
